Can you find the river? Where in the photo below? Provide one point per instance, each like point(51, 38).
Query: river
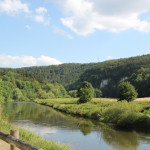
point(78, 133)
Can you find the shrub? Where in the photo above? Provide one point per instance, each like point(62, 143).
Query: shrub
point(121, 113)
point(85, 92)
point(127, 92)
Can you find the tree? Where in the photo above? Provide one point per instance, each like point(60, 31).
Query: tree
point(17, 95)
point(98, 93)
point(127, 92)
point(85, 92)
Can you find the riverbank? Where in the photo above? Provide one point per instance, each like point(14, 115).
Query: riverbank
point(29, 137)
point(122, 114)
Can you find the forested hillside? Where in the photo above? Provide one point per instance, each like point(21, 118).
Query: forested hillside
point(107, 75)
point(24, 87)
point(66, 74)
point(103, 75)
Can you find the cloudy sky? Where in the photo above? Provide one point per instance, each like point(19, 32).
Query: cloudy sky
point(45, 32)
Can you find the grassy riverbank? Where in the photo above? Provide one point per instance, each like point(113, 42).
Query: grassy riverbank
point(123, 114)
point(31, 138)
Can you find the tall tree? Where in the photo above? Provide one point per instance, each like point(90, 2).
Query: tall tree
point(127, 92)
point(85, 92)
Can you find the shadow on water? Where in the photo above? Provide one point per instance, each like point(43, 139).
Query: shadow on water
point(101, 135)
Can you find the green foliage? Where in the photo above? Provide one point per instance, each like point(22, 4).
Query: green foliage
point(126, 114)
point(141, 79)
point(136, 69)
point(97, 93)
point(73, 93)
point(72, 75)
point(123, 114)
point(17, 95)
point(23, 87)
point(85, 92)
point(127, 92)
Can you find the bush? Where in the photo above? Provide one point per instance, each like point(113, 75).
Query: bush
point(121, 113)
point(127, 92)
point(85, 92)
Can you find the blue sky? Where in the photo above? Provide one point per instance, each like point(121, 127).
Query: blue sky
point(46, 32)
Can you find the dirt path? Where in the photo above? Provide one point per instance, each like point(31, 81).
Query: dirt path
point(143, 99)
point(4, 145)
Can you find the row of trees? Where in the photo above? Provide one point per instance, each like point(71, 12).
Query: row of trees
point(126, 92)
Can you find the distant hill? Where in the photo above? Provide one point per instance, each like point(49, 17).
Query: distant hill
point(66, 74)
point(104, 75)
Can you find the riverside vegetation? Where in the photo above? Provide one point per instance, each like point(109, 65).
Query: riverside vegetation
point(122, 114)
point(30, 137)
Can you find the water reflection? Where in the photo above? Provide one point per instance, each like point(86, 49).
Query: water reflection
point(83, 134)
point(120, 139)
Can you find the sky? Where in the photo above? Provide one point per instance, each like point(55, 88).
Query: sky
point(52, 32)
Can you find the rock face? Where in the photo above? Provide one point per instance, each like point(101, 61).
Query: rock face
point(104, 82)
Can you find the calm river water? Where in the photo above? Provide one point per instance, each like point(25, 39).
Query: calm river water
point(78, 133)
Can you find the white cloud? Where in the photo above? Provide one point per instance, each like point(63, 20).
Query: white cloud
point(28, 27)
point(62, 32)
point(41, 10)
point(24, 61)
point(13, 7)
point(41, 16)
point(85, 16)
point(40, 130)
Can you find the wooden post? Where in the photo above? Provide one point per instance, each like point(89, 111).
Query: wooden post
point(17, 142)
point(14, 133)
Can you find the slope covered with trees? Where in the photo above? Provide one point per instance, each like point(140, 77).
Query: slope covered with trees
point(103, 75)
point(66, 74)
point(24, 87)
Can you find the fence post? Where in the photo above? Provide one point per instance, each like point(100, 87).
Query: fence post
point(14, 133)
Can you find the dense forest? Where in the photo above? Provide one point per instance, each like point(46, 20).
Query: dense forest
point(104, 76)
point(24, 87)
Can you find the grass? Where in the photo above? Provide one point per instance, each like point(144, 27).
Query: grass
point(31, 138)
point(106, 110)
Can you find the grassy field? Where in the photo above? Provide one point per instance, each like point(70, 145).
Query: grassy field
point(29, 137)
point(123, 114)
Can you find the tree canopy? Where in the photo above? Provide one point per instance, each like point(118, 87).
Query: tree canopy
point(85, 92)
point(127, 92)
point(23, 87)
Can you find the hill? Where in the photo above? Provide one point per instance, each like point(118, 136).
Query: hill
point(24, 87)
point(103, 75)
